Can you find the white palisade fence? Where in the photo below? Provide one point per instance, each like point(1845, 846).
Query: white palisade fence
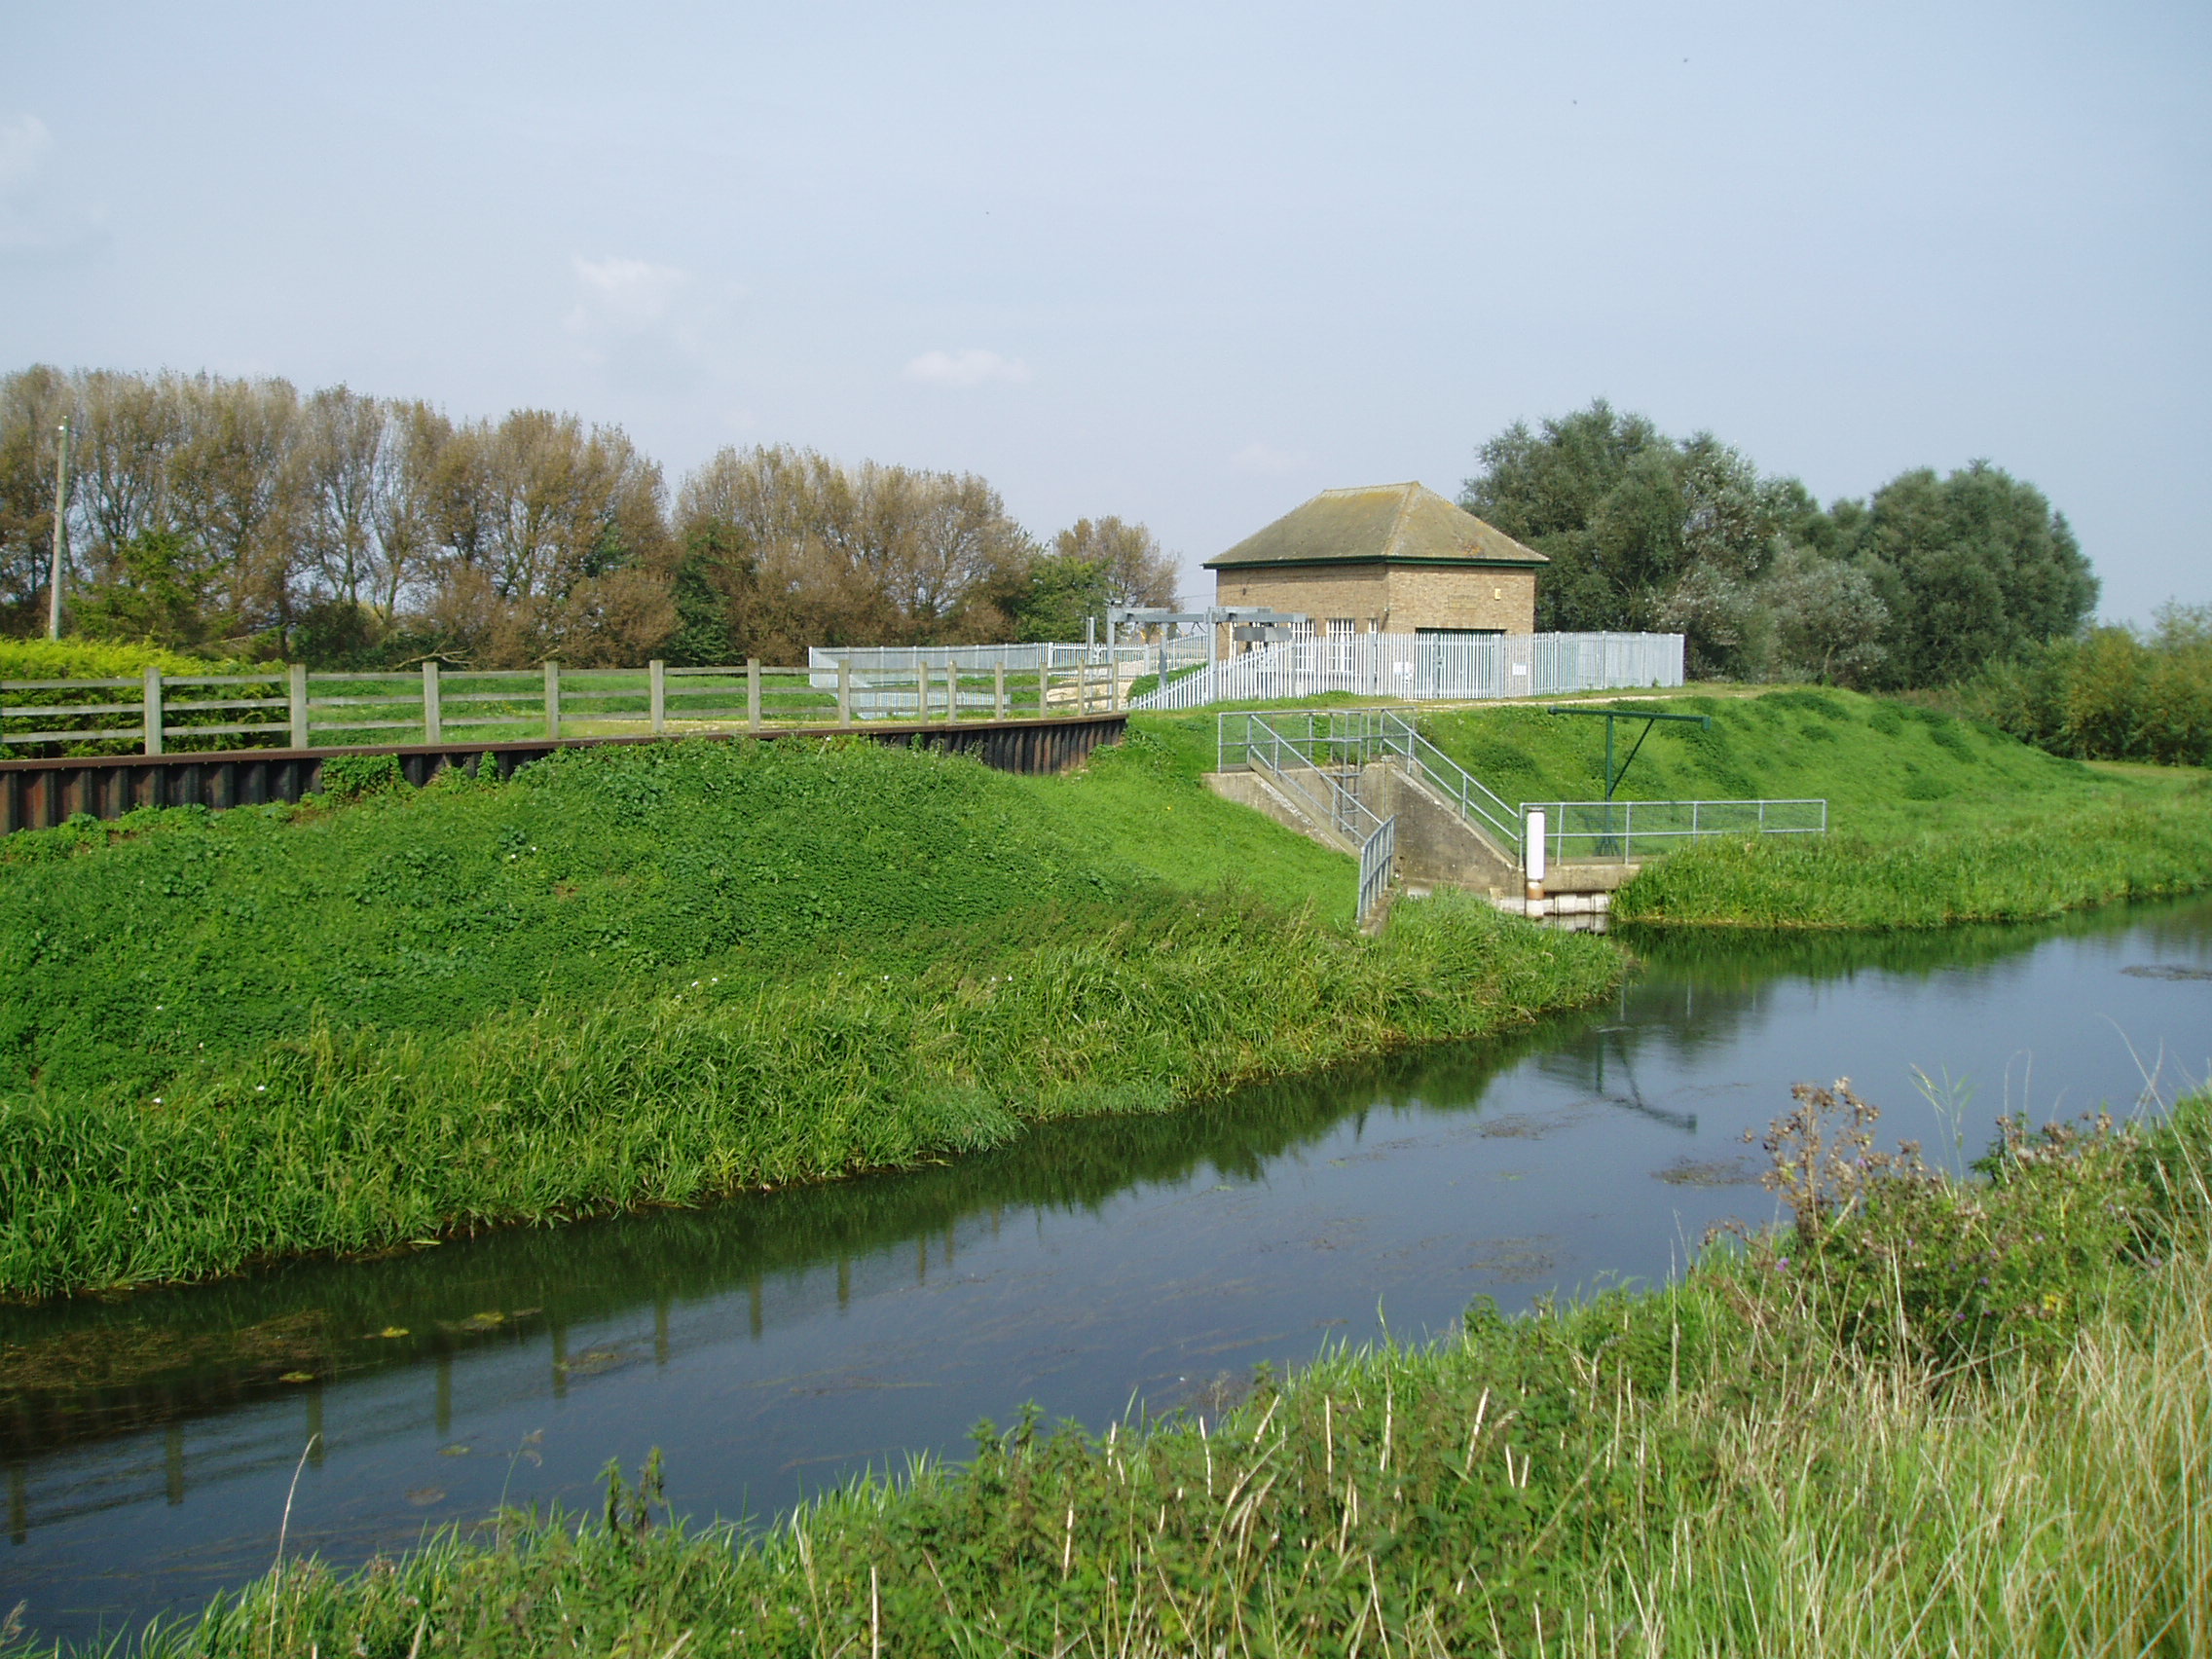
point(1429, 666)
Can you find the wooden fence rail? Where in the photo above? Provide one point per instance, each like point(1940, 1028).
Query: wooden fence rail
point(287, 706)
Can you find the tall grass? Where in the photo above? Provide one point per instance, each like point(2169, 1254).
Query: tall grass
point(347, 1138)
point(1710, 1468)
point(2039, 862)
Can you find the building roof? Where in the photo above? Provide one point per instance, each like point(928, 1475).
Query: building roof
point(1398, 524)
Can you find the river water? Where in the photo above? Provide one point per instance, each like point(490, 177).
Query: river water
point(780, 1343)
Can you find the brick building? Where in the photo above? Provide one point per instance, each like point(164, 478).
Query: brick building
point(1388, 558)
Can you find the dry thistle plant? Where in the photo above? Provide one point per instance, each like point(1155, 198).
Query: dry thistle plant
point(1824, 1155)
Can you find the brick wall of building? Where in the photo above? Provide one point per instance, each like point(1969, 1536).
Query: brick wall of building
point(1396, 599)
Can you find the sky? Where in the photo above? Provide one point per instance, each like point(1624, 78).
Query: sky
point(1183, 263)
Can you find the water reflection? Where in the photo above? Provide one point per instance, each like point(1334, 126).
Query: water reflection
point(783, 1340)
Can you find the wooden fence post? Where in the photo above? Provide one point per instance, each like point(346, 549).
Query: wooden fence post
point(751, 693)
point(153, 711)
point(656, 693)
point(552, 700)
point(1043, 681)
point(998, 691)
point(297, 687)
point(844, 691)
point(433, 704)
point(952, 694)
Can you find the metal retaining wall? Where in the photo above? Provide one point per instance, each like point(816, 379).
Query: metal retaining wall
point(37, 794)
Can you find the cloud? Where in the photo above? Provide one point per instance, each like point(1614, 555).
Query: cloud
point(624, 296)
point(23, 140)
point(1256, 456)
point(38, 225)
point(966, 368)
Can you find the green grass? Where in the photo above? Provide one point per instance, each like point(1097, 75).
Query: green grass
point(1827, 1441)
point(656, 975)
point(1933, 820)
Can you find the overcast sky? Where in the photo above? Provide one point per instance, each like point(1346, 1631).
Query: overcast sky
point(1184, 263)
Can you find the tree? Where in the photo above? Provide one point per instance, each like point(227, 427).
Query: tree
point(805, 551)
point(1828, 622)
point(1642, 531)
point(33, 403)
point(1975, 568)
point(1134, 568)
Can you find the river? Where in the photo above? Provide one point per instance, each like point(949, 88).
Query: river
point(782, 1342)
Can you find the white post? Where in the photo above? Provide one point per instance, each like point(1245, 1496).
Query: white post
point(998, 690)
point(552, 700)
point(844, 691)
point(297, 689)
point(153, 711)
point(61, 535)
point(433, 711)
point(751, 693)
point(1533, 858)
point(656, 694)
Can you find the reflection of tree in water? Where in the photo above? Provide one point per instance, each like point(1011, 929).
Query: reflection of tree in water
point(91, 1368)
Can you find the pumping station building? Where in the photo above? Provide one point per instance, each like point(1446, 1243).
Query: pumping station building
point(1384, 559)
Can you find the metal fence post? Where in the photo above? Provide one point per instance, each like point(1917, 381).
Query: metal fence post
point(656, 694)
point(998, 691)
point(433, 705)
point(844, 691)
point(297, 687)
point(153, 712)
point(751, 693)
point(552, 700)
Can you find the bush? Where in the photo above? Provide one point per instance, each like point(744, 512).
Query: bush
point(2113, 694)
point(1902, 1262)
point(95, 661)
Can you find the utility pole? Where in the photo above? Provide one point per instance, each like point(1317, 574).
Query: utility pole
point(61, 534)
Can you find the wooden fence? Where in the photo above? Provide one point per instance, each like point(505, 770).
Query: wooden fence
point(287, 706)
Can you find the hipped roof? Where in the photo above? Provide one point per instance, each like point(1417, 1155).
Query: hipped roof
point(1399, 524)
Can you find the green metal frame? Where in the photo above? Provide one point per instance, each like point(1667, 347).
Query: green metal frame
point(1648, 716)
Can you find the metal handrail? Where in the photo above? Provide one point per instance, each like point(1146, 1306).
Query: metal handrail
point(1341, 810)
point(1475, 800)
point(1378, 864)
point(1610, 828)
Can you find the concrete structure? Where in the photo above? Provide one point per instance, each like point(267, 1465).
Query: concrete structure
point(1388, 558)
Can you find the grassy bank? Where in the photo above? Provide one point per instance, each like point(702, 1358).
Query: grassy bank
point(1935, 1415)
point(654, 975)
point(1934, 820)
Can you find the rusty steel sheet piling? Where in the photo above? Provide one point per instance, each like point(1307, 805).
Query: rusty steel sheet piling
point(37, 794)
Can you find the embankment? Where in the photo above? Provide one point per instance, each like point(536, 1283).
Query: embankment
point(655, 975)
point(1934, 820)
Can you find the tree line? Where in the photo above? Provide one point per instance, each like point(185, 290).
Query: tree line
point(240, 516)
point(1924, 582)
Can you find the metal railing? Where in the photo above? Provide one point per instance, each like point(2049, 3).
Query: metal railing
point(1429, 667)
point(1336, 744)
point(1378, 862)
point(1354, 737)
point(1314, 770)
point(1616, 830)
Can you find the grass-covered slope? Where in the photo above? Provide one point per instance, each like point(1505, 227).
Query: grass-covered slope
point(656, 975)
point(1933, 820)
